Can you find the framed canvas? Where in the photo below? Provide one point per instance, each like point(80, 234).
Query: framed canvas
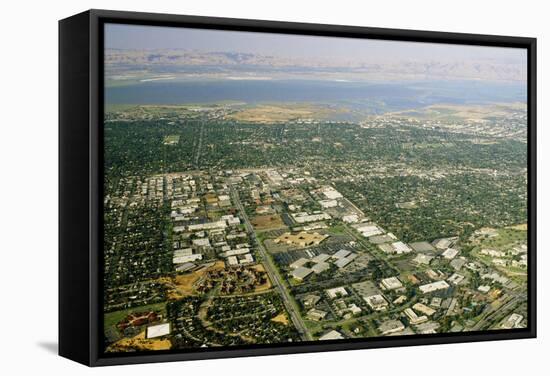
point(235, 187)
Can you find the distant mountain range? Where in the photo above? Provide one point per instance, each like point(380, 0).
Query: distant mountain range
point(144, 63)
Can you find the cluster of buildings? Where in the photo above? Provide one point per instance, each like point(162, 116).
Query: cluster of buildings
point(303, 267)
point(514, 257)
point(194, 200)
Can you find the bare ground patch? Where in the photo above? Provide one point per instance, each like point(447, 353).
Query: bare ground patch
point(139, 343)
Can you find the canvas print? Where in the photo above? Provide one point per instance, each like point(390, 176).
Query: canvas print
point(266, 189)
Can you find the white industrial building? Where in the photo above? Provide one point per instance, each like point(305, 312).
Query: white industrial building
point(391, 283)
point(434, 286)
point(155, 331)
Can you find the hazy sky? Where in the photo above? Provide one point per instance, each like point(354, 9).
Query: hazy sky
point(153, 37)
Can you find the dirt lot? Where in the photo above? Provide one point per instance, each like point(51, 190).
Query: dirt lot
point(267, 222)
point(183, 285)
point(266, 286)
point(522, 227)
point(277, 114)
point(140, 343)
point(281, 317)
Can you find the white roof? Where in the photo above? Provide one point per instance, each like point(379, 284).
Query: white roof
point(232, 260)
point(401, 247)
point(183, 252)
point(320, 267)
point(158, 330)
point(333, 293)
point(342, 262)
point(186, 259)
point(392, 283)
point(333, 334)
point(320, 257)
point(300, 262)
point(201, 242)
point(234, 252)
point(301, 272)
point(331, 193)
point(450, 253)
point(341, 254)
point(434, 286)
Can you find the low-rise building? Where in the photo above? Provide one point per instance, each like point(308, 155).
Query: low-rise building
point(390, 326)
point(424, 309)
point(456, 278)
point(414, 319)
point(301, 273)
point(376, 302)
point(400, 248)
point(391, 283)
point(332, 335)
point(337, 292)
point(512, 321)
point(429, 327)
point(320, 257)
point(351, 218)
point(484, 288)
point(187, 258)
point(326, 204)
point(423, 259)
point(434, 286)
point(316, 314)
point(159, 330)
point(341, 254)
point(298, 263)
point(450, 253)
point(320, 267)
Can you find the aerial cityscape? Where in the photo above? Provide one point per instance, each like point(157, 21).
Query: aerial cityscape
point(263, 189)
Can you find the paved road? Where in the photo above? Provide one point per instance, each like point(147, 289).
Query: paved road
point(271, 271)
point(494, 315)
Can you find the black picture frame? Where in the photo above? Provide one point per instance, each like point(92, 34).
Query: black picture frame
point(80, 183)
